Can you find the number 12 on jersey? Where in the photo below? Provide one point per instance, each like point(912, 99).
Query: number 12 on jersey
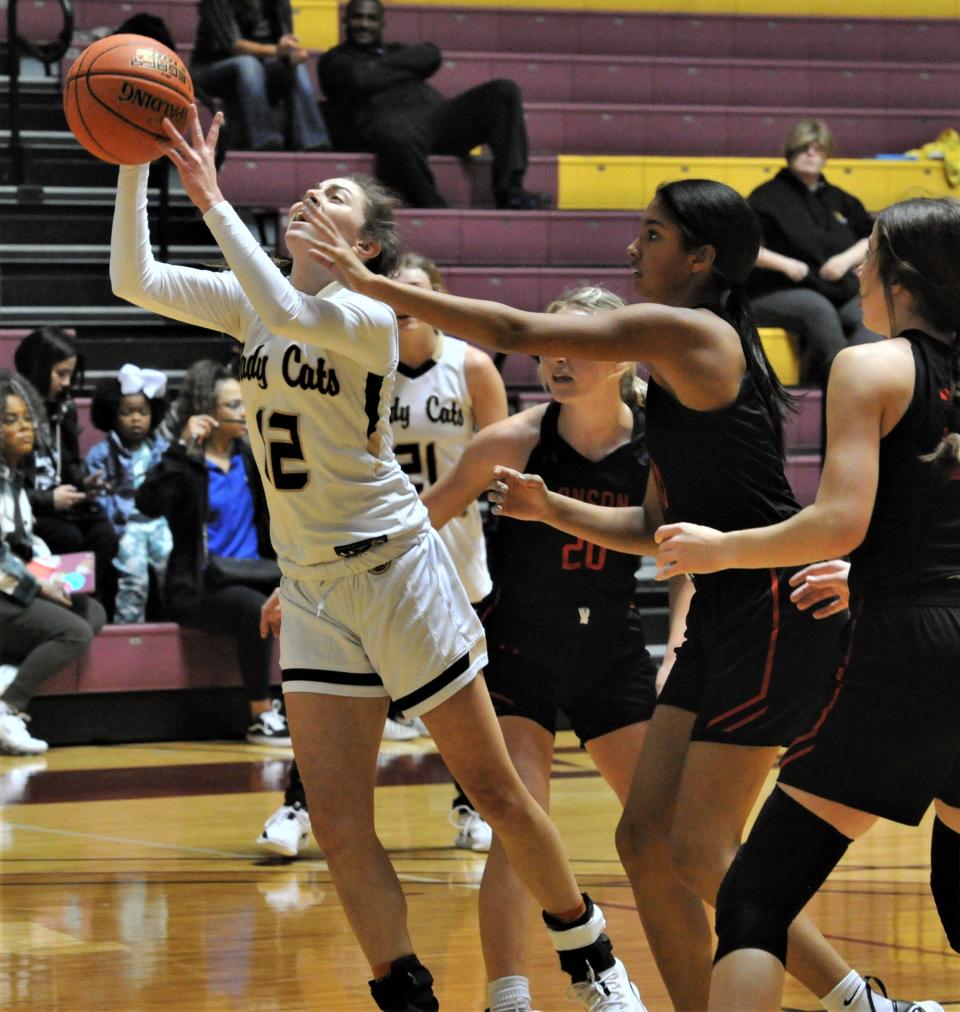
point(282, 451)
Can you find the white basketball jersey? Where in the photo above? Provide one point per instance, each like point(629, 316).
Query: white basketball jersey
point(432, 420)
point(317, 373)
point(319, 426)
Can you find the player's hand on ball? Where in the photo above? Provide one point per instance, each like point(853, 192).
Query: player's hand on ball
point(688, 548)
point(819, 583)
point(194, 159)
point(521, 496)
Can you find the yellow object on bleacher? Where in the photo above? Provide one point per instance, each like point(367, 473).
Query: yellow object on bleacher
point(780, 351)
point(947, 147)
point(316, 23)
point(627, 182)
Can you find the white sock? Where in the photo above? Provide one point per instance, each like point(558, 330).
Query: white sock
point(509, 993)
point(853, 995)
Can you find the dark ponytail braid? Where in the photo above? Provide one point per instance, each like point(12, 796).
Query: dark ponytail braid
point(775, 395)
point(709, 213)
point(918, 247)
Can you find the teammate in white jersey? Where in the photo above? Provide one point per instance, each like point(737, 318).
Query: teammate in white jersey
point(372, 607)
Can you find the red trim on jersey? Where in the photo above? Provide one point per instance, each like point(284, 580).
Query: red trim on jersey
point(815, 730)
point(661, 487)
point(768, 667)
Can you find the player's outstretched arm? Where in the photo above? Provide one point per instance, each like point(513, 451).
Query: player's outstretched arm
point(526, 497)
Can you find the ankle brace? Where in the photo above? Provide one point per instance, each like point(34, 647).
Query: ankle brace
point(945, 879)
point(582, 946)
point(787, 857)
point(408, 987)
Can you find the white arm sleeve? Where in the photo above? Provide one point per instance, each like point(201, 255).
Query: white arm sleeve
point(204, 298)
point(360, 328)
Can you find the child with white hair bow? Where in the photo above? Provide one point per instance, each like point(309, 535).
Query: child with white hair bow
point(128, 408)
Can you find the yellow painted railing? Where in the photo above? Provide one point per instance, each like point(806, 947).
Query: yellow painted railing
point(626, 182)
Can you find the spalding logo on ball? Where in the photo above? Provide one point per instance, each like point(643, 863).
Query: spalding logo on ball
point(117, 94)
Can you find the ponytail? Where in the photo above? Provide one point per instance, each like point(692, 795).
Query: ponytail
point(945, 459)
point(775, 395)
point(918, 247)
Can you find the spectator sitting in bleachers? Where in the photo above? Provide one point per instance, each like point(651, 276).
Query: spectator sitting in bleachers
point(247, 54)
point(62, 495)
point(814, 236)
point(128, 407)
point(42, 628)
point(221, 568)
point(380, 90)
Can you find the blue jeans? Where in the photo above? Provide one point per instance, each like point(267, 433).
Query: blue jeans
point(251, 86)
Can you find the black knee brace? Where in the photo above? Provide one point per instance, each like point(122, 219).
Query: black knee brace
point(945, 879)
point(787, 857)
point(408, 987)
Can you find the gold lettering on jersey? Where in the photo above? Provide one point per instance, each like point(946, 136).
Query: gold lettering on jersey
point(308, 377)
point(447, 414)
point(254, 367)
point(399, 414)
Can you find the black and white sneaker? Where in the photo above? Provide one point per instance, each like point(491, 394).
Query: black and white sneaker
point(875, 986)
point(269, 727)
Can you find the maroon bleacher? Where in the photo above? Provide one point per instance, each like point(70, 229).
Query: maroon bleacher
point(159, 655)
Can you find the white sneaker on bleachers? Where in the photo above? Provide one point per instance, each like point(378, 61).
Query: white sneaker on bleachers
point(15, 739)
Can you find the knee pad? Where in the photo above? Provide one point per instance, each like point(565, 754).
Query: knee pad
point(787, 857)
point(945, 879)
point(408, 986)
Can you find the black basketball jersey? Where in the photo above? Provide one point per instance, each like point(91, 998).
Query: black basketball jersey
point(914, 533)
point(545, 576)
point(718, 468)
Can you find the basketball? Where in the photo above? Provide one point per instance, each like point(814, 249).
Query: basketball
point(118, 92)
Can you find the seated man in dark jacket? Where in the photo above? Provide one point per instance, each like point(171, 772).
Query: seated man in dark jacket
point(381, 89)
point(246, 53)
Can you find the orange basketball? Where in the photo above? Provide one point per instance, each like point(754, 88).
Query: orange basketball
point(117, 93)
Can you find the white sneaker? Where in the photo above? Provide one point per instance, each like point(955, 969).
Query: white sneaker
point(15, 739)
point(285, 830)
point(269, 727)
point(395, 730)
point(876, 986)
point(472, 832)
point(7, 674)
point(418, 725)
point(608, 991)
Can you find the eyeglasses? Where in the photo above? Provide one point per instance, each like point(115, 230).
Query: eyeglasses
point(235, 405)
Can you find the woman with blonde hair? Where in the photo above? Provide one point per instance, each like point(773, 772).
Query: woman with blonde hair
point(814, 237)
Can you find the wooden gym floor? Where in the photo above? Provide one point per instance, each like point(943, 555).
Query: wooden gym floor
point(130, 882)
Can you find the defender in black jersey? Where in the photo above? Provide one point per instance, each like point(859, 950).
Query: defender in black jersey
point(886, 740)
point(690, 798)
point(560, 624)
point(563, 631)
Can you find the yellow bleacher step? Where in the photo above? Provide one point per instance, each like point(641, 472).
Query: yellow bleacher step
point(780, 351)
point(627, 182)
point(784, 8)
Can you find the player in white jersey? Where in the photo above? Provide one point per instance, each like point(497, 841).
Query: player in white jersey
point(372, 607)
point(444, 392)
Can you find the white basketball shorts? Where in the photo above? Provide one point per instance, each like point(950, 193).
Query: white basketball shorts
point(404, 630)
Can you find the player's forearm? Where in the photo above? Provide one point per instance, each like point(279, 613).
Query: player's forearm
point(488, 324)
point(815, 533)
point(620, 528)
